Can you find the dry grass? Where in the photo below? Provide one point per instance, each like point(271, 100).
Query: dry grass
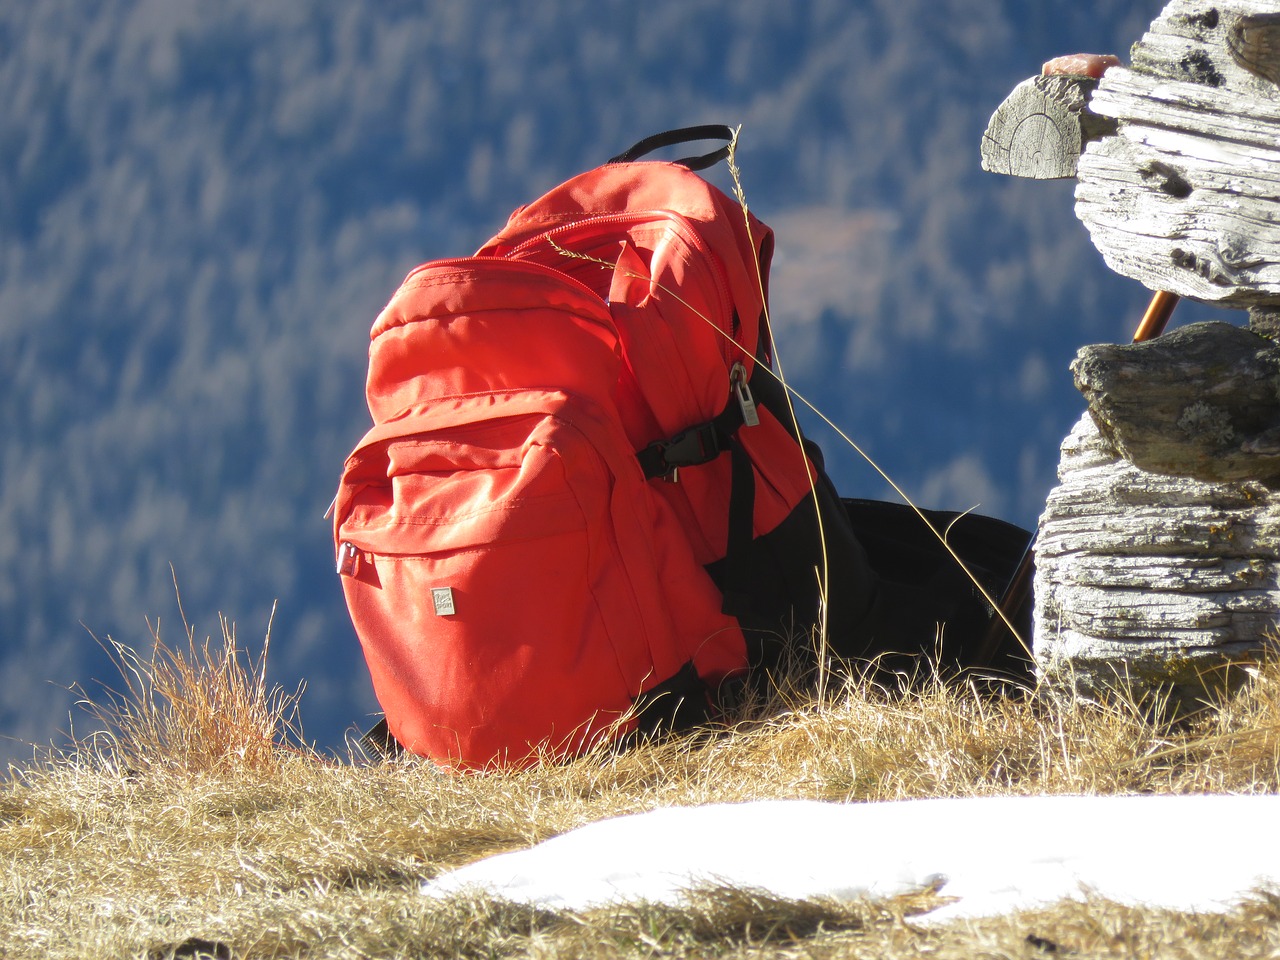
point(226, 839)
point(201, 710)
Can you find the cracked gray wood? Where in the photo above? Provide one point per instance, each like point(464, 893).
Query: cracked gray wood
point(1041, 128)
point(1185, 197)
point(1254, 43)
point(1153, 582)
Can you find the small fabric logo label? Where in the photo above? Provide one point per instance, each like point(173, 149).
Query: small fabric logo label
point(442, 600)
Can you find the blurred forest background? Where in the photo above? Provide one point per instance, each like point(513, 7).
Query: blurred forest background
point(203, 206)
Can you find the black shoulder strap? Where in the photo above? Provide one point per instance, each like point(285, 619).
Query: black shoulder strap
point(670, 138)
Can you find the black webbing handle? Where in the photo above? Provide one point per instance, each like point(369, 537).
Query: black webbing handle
point(670, 138)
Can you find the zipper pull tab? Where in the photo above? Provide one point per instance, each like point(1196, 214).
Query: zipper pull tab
point(348, 558)
point(747, 403)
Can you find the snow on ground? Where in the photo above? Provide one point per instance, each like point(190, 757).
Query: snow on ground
point(995, 854)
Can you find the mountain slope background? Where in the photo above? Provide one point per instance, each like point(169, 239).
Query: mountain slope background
point(204, 206)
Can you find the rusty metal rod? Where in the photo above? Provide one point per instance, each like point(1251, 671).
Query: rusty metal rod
point(1157, 316)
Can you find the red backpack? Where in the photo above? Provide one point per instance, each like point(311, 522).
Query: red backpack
point(582, 506)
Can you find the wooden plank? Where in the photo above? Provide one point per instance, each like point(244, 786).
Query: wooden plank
point(1186, 196)
point(1041, 127)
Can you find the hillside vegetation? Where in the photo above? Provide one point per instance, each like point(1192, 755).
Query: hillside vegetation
point(205, 205)
point(200, 825)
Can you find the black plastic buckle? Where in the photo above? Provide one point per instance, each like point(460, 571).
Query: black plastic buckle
point(700, 444)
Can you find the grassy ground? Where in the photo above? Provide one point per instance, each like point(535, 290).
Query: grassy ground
point(194, 828)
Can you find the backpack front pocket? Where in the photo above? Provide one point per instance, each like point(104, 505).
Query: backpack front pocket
point(482, 574)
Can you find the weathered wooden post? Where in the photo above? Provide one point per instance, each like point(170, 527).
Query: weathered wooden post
point(1158, 554)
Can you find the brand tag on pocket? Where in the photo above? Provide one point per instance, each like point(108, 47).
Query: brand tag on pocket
point(442, 600)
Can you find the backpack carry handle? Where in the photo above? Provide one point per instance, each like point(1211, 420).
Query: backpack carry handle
point(670, 138)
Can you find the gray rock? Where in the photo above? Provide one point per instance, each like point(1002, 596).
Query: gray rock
point(1202, 401)
point(1152, 582)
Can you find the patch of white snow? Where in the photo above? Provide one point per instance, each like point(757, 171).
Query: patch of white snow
point(994, 854)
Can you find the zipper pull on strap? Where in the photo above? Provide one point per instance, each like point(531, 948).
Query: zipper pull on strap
point(746, 402)
point(348, 558)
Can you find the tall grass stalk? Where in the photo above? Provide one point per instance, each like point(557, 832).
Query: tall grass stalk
point(823, 573)
point(740, 195)
point(205, 708)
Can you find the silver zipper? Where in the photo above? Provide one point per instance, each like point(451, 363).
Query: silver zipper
point(738, 377)
point(348, 558)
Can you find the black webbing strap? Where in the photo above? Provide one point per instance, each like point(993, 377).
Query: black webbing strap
point(742, 508)
point(670, 138)
point(702, 444)
point(379, 744)
point(678, 703)
point(689, 448)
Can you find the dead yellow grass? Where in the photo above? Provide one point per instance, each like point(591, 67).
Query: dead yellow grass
point(226, 839)
point(202, 709)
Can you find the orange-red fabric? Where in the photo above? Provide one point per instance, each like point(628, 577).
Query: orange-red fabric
point(499, 470)
point(514, 579)
point(685, 287)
